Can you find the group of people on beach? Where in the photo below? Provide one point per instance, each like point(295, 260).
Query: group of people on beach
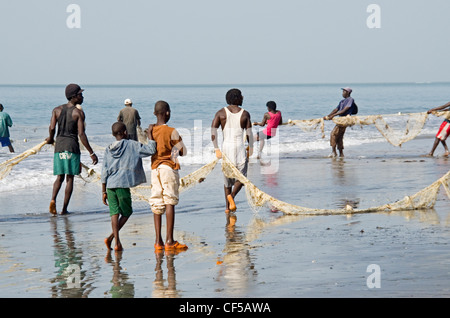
point(122, 166)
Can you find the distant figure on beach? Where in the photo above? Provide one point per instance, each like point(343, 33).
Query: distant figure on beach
point(130, 117)
point(272, 118)
point(66, 161)
point(344, 108)
point(5, 123)
point(165, 176)
point(121, 170)
point(444, 129)
point(235, 123)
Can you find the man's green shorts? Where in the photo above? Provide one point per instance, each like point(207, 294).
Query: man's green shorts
point(119, 201)
point(66, 163)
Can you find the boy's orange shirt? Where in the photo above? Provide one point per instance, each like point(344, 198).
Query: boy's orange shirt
point(166, 138)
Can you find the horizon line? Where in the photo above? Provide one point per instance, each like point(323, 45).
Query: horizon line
point(228, 84)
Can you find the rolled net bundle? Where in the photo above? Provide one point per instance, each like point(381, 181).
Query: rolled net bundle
point(198, 176)
point(5, 167)
point(143, 192)
point(309, 125)
point(142, 136)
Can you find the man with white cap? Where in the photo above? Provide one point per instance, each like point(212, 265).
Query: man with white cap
point(130, 117)
point(346, 107)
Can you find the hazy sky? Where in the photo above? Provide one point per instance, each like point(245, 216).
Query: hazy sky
point(223, 42)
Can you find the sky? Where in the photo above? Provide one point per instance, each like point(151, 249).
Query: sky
point(149, 42)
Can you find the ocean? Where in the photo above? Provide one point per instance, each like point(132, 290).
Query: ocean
point(193, 108)
point(330, 254)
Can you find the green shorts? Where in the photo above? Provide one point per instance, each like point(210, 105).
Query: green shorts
point(119, 201)
point(66, 163)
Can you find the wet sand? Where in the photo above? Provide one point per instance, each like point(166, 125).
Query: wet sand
point(265, 255)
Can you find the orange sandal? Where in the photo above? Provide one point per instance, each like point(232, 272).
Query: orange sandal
point(159, 247)
point(175, 246)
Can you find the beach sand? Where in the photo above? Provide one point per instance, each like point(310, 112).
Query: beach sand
point(265, 255)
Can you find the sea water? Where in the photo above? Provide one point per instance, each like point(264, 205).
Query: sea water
point(194, 107)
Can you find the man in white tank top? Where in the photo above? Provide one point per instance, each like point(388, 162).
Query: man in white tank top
point(236, 124)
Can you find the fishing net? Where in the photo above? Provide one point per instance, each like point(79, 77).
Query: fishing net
point(412, 125)
point(5, 167)
point(424, 199)
point(143, 192)
point(257, 199)
point(395, 128)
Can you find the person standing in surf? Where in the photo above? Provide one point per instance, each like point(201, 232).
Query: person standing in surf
point(444, 130)
point(5, 122)
point(344, 108)
point(272, 118)
point(66, 162)
point(131, 118)
point(235, 123)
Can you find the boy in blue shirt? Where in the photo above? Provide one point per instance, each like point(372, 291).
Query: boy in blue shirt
point(122, 169)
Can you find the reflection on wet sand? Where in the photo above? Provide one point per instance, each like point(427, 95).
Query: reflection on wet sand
point(121, 286)
point(345, 177)
point(68, 281)
point(428, 216)
point(236, 267)
point(159, 288)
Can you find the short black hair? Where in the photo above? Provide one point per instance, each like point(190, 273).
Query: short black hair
point(118, 128)
point(161, 107)
point(234, 97)
point(1, 106)
point(271, 105)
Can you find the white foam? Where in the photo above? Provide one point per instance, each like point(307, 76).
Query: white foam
point(37, 170)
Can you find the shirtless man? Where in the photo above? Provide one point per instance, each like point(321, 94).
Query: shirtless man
point(235, 122)
point(66, 161)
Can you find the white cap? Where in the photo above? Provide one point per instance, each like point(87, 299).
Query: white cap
point(348, 89)
point(128, 101)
